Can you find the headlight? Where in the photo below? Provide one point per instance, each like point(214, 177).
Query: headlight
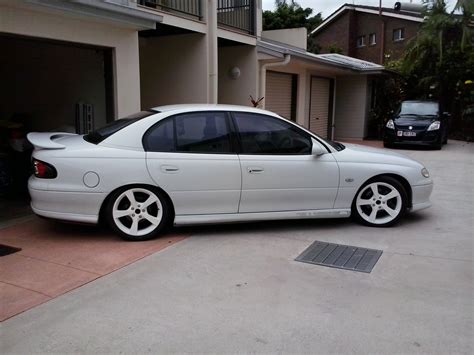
point(390, 124)
point(434, 126)
point(425, 173)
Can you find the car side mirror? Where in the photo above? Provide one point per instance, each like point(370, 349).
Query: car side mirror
point(446, 114)
point(317, 148)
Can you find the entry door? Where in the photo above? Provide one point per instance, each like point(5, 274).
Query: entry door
point(279, 173)
point(319, 108)
point(190, 156)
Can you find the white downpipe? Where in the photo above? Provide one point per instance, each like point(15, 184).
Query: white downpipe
point(212, 51)
point(263, 74)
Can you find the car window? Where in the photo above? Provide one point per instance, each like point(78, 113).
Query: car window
point(260, 134)
point(106, 131)
point(160, 138)
point(197, 132)
point(419, 108)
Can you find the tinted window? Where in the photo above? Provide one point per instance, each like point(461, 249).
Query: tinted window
point(160, 138)
point(199, 132)
point(106, 131)
point(202, 132)
point(260, 134)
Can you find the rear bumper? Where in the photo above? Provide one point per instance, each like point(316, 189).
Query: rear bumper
point(68, 206)
point(421, 197)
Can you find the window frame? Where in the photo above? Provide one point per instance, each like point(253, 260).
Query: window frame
point(228, 122)
point(291, 124)
point(374, 36)
point(401, 30)
point(362, 37)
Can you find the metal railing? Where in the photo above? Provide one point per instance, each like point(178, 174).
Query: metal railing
point(237, 14)
point(185, 7)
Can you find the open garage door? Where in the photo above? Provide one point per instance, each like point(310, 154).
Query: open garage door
point(47, 86)
point(320, 111)
point(280, 96)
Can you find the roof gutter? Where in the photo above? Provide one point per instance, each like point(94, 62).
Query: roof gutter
point(263, 73)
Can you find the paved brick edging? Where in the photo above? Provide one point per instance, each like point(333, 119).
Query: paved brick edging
point(57, 258)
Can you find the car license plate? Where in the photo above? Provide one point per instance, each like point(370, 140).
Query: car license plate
point(406, 134)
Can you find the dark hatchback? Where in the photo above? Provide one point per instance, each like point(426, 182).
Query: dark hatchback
point(417, 123)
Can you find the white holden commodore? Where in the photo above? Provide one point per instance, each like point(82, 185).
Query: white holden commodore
point(192, 164)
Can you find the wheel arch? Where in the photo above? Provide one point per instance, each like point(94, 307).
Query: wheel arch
point(153, 187)
point(406, 185)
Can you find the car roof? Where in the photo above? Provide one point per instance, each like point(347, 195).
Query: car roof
point(208, 107)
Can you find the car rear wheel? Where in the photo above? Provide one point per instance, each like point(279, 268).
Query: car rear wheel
point(138, 213)
point(380, 202)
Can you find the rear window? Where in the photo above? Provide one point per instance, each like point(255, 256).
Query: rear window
point(106, 131)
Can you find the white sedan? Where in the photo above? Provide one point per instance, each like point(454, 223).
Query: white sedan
point(192, 164)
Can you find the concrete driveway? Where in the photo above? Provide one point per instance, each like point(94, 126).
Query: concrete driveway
point(236, 288)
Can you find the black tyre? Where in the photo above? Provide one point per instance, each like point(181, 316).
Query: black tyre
point(138, 213)
point(380, 202)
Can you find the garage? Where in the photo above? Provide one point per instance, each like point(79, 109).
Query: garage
point(281, 90)
point(321, 106)
point(47, 86)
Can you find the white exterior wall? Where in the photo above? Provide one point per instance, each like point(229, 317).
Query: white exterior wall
point(351, 107)
point(173, 70)
point(124, 41)
point(237, 91)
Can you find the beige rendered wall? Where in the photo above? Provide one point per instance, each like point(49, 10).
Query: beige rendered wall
point(124, 41)
point(237, 91)
point(173, 70)
point(351, 107)
point(296, 37)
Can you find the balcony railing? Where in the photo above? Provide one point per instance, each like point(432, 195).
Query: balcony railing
point(184, 7)
point(237, 14)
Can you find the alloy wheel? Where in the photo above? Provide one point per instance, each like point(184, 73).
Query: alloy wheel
point(137, 212)
point(379, 203)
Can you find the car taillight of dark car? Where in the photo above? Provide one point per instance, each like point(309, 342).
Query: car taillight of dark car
point(44, 170)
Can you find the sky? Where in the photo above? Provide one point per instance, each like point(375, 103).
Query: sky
point(327, 7)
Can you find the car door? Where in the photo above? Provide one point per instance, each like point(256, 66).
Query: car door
point(279, 173)
point(191, 157)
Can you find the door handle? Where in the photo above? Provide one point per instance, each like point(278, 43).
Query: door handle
point(254, 170)
point(169, 169)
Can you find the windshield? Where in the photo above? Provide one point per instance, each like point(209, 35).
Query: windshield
point(106, 131)
point(416, 108)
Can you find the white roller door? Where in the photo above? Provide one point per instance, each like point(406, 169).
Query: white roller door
point(278, 96)
point(319, 108)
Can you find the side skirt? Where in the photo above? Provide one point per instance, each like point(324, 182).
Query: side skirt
point(181, 220)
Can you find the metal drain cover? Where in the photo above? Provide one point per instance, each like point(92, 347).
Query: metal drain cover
point(340, 256)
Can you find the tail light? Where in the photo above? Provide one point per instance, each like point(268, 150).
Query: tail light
point(44, 170)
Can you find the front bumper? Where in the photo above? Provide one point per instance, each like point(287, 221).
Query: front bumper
point(421, 197)
point(423, 137)
point(81, 207)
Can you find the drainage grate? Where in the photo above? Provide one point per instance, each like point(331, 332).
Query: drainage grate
point(340, 256)
point(7, 250)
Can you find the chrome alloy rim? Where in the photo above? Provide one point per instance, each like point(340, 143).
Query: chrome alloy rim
point(137, 211)
point(379, 203)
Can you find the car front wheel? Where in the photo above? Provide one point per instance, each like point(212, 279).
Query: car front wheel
point(380, 202)
point(138, 213)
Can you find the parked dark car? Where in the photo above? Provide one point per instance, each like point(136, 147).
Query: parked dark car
point(417, 123)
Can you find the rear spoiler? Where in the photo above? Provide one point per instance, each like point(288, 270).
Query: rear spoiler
point(46, 140)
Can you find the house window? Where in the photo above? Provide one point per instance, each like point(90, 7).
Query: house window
point(372, 39)
point(398, 34)
point(361, 41)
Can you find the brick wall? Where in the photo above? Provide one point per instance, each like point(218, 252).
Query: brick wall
point(344, 31)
